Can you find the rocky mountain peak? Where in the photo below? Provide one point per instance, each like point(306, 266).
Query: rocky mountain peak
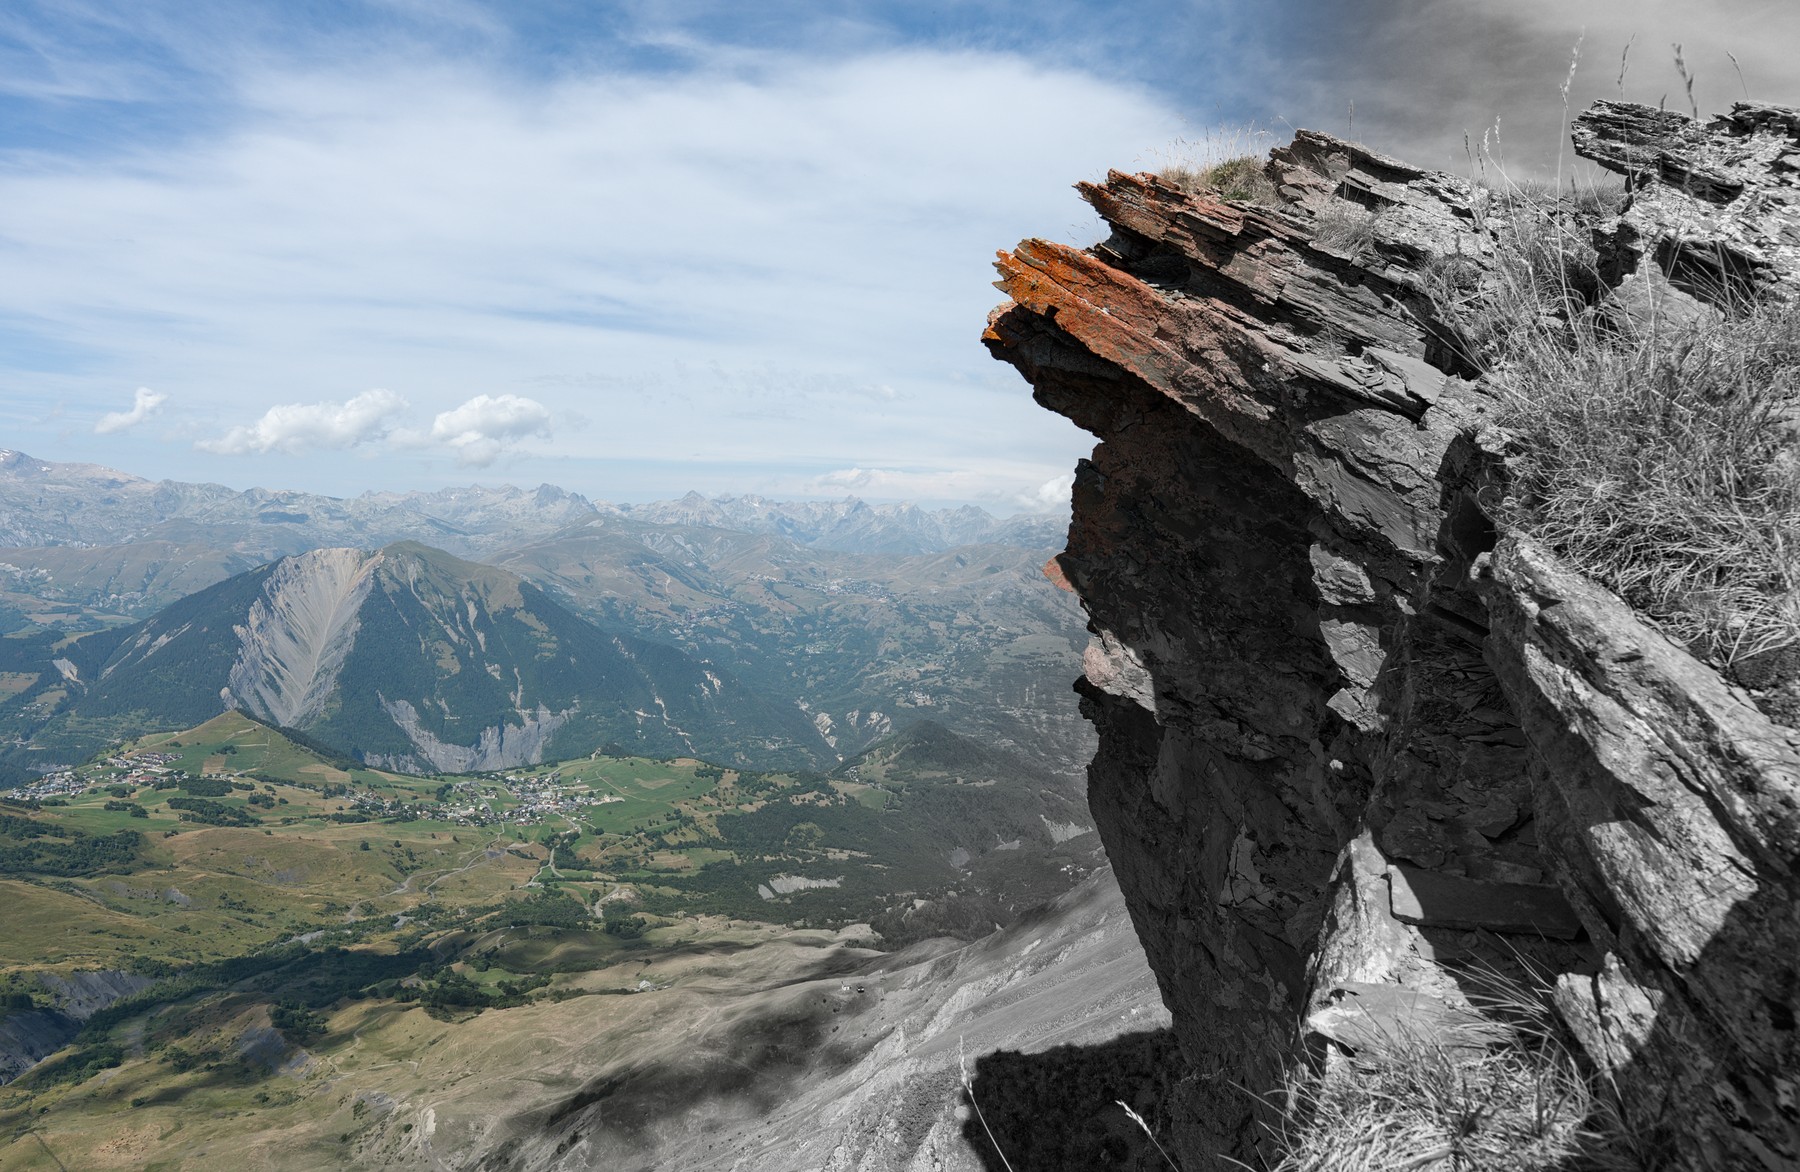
point(413, 659)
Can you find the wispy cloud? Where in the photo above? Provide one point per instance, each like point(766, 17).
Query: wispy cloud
point(304, 427)
point(145, 403)
point(1053, 492)
point(793, 251)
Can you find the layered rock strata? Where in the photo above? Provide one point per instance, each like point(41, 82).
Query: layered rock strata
point(1358, 748)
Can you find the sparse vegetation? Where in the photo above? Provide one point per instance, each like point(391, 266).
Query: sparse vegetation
point(1501, 1091)
point(456, 896)
point(1662, 461)
point(1225, 162)
point(1655, 450)
point(30, 846)
point(1345, 227)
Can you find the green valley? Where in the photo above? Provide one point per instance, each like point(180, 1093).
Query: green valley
point(231, 873)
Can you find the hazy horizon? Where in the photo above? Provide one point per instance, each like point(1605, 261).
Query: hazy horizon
point(1054, 505)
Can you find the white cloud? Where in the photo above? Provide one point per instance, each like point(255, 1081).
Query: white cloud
point(300, 427)
point(1053, 493)
point(819, 229)
point(481, 428)
point(144, 404)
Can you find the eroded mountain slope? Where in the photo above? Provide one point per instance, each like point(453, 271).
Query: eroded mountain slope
point(297, 634)
point(972, 637)
point(410, 659)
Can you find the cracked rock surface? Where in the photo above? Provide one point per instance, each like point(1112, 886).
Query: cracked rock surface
point(1355, 743)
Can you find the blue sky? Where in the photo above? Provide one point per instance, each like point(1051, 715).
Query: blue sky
point(634, 249)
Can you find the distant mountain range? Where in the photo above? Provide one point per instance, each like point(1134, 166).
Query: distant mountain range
point(850, 525)
point(974, 637)
point(50, 504)
point(851, 620)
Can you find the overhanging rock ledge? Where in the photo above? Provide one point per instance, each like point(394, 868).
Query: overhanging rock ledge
point(1354, 741)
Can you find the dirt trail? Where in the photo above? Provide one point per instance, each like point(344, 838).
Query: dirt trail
point(486, 854)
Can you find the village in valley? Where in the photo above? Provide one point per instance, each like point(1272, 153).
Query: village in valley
point(499, 798)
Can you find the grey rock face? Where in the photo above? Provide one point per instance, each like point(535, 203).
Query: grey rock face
point(498, 746)
point(29, 1037)
point(1353, 744)
point(1675, 805)
point(298, 633)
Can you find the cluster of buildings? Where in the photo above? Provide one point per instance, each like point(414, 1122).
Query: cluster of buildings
point(139, 769)
point(541, 797)
point(538, 797)
point(467, 803)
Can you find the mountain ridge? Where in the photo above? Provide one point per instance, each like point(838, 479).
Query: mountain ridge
point(47, 504)
point(413, 659)
point(863, 640)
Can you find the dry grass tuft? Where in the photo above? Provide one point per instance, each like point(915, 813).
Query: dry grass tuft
point(1347, 228)
point(1240, 178)
point(1582, 201)
point(1660, 455)
point(1663, 461)
point(1226, 162)
point(1504, 1094)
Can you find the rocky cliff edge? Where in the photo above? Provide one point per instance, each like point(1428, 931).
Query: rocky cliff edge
point(1361, 748)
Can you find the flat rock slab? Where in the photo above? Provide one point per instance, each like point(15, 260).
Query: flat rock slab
point(1436, 900)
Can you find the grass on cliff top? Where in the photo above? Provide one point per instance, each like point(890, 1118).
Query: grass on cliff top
point(1504, 1092)
point(1658, 451)
point(1223, 161)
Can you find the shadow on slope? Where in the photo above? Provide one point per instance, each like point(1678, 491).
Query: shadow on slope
point(856, 1067)
point(1060, 1108)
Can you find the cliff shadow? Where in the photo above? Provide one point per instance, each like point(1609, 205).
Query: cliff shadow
point(1060, 1108)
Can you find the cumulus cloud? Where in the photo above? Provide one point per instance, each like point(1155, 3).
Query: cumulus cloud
point(143, 405)
point(1052, 494)
point(480, 429)
point(299, 427)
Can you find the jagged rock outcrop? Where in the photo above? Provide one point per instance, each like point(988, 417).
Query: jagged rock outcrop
point(1352, 738)
point(1685, 174)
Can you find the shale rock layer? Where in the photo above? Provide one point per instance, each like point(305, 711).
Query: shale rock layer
point(1356, 745)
